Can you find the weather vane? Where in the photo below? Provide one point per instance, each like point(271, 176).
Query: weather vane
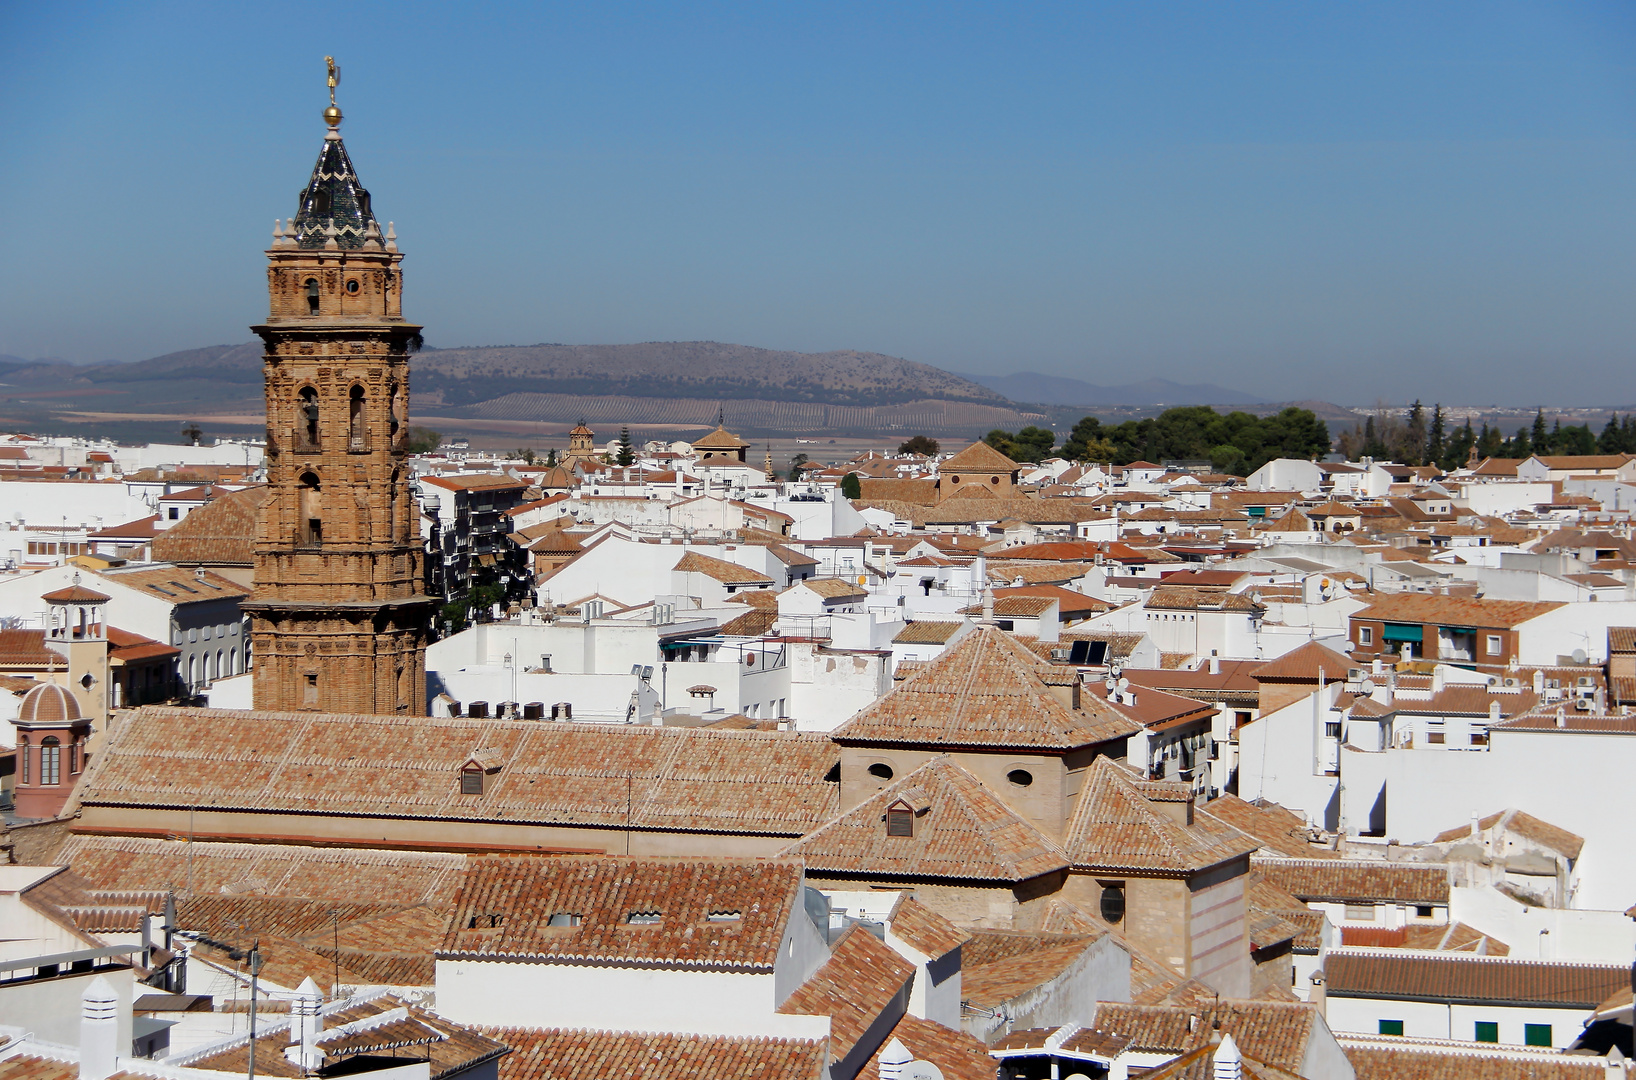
point(332, 115)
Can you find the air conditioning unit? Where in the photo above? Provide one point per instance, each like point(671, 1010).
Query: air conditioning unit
point(1585, 680)
point(1060, 654)
point(1512, 682)
point(1582, 705)
point(1354, 674)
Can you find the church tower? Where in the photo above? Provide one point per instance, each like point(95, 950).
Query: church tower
point(338, 616)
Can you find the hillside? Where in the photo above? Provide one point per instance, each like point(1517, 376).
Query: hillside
point(690, 369)
point(518, 388)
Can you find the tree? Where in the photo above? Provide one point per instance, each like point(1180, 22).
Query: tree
point(1540, 438)
point(551, 457)
point(851, 487)
point(1004, 442)
point(421, 440)
point(797, 463)
point(192, 432)
point(627, 453)
point(919, 444)
point(1412, 449)
point(526, 453)
point(1612, 440)
point(1458, 449)
point(1434, 436)
point(1030, 444)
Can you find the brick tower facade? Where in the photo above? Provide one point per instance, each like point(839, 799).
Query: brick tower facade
point(338, 613)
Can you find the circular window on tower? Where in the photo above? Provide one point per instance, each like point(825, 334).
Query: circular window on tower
point(352, 286)
point(1020, 777)
point(880, 771)
point(1113, 901)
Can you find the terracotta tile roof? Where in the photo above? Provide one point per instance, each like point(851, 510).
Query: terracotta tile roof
point(1571, 721)
point(1014, 606)
point(1451, 610)
point(957, 1055)
point(175, 585)
point(356, 875)
point(1473, 1062)
point(1303, 664)
point(1515, 821)
point(788, 556)
point(853, 988)
point(1165, 598)
point(1358, 880)
point(832, 588)
point(1007, 573)
point(37, 1067)
point(577, 1053)
point(1461, 977)
point(991, 985)
point(503, 911)
point(924, 929)
point(984, 690)
point(646, 777)
point(140, 529)
point(962, 832)
point(220, 533)
point(1159, 711)
point(979, 457)
point(475, 482)
point(927, 633)
point(1275, 829)
point(753, 623)
point(728, 573)
point(761, 599)
point(380, 1022)
point(1622, 639)
point(1068, 601)
point(1116, 827)
point(1273, 1032)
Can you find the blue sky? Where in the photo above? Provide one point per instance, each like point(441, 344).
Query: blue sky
point(1352, 202)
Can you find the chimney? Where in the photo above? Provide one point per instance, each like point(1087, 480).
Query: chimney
point(1319, 998)
point(1476, 825)
point(1539, 682)
point(894, 1056)
point(1215, 662)
point(1561, 717)
point(1229, 1065)
point(1439, 680)
point(306, 1021)
point(1493, 712)
point(99, 1031)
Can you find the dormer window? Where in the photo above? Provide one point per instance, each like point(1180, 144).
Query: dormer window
point(724, 916)
point(471, 781)
point(644, 918)
point(900, 819)
point(564, 918)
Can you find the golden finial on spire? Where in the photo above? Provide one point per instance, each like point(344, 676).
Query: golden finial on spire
point(332, 115)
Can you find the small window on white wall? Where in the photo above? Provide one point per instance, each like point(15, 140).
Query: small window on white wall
point(1494, 648)
point(1366, 635)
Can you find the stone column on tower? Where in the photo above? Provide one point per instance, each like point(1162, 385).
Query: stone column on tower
point(338, 612)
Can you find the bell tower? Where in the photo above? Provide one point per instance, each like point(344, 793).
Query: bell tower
point(338, 616)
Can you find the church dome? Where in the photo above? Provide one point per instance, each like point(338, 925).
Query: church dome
point(48, 703)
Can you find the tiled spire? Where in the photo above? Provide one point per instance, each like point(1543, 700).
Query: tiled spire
point(333, 197)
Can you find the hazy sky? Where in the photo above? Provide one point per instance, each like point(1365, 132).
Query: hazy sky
point(1352, 202)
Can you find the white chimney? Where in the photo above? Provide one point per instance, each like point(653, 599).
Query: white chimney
point(99, 1031)
point(1229, 1065)
point(1539, 682)
point(893, 1057)
point(1493, 712)
point(1215, 662)
point(306, 1021)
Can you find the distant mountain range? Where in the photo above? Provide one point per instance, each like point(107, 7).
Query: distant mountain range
point(516, 388)
point(1031, 386)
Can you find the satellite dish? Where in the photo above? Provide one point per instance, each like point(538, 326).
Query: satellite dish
point(1124, 684)
point(921, 1070)
point(1579, 656)
point(1367, 686)
point(1078, 1076)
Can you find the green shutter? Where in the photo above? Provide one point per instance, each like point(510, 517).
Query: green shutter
point(1395, 1027)
point(1536, 1034)
point(1488, 1031)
